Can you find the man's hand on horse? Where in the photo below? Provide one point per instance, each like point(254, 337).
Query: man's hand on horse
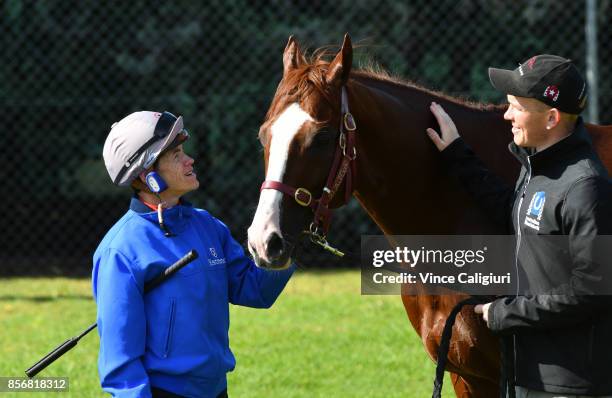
point(484, 310)
point(447, 128)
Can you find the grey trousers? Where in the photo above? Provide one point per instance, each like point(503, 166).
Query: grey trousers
point(522, 392)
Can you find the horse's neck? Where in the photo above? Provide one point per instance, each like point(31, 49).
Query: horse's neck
point(401, 109)
point(401, 180)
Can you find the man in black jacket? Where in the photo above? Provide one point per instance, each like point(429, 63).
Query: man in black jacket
point(562, 333)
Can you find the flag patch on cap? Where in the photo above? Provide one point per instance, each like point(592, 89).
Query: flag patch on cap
point(551, 92)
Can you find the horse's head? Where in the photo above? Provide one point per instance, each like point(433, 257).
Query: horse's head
point(299, 136)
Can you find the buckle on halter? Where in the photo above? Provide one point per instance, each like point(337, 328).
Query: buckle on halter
point(299, 197)
point(342, 143)
point(349, 122)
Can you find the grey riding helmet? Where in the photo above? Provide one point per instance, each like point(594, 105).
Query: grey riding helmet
point(136, 141)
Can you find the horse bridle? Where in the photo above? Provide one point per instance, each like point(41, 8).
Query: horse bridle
point(343, 168)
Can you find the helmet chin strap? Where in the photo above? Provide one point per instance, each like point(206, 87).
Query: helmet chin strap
point(160, 218)
point(157, 185)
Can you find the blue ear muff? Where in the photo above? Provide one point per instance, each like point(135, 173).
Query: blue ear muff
point(155, 183)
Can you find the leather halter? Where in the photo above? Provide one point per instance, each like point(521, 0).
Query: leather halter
point(343, 168)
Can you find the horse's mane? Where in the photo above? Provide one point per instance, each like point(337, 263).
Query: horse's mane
point(380, 74)
point(310, 75)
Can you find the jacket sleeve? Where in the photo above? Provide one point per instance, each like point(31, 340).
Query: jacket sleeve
point(487, 189)
point(587, 220)
point(249, 285)
point(121, 326)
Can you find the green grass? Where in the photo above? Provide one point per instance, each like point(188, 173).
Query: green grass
point(322, 338)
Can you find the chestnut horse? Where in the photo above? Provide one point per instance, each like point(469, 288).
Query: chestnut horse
point(399, 180)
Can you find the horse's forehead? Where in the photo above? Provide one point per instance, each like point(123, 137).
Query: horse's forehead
point(289, 122)
point(301, 87)
point(284, 129)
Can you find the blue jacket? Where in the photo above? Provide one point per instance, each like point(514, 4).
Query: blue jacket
point(176, 336)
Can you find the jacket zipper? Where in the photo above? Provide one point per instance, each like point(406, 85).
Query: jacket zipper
point(518, 245)
point(518, 225)
point(591, 343)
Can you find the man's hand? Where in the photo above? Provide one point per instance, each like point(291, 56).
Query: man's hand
point(484, 310)
point(447, 128)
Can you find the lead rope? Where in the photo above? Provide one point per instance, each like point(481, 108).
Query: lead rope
point(447, 334)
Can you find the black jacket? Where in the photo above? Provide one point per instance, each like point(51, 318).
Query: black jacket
point(562, 340)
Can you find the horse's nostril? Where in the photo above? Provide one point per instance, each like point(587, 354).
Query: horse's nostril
point(274, 247)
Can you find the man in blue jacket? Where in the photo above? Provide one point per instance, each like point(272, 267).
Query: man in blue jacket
point(172, 342)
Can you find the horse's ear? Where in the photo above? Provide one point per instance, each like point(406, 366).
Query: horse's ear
point(292, 56)
point(340, 67)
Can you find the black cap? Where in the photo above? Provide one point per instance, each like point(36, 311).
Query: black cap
point(550, 79)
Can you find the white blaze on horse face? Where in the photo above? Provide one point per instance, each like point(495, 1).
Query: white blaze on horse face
point(267, 216)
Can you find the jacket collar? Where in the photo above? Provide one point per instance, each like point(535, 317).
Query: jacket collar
point(176, 218)
point(139, 207)
point(578, 138)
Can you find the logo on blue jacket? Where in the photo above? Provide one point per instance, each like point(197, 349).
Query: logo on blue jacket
point(535, 210)
point(215, 260)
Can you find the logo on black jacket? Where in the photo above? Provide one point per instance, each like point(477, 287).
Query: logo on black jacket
point(535, 210)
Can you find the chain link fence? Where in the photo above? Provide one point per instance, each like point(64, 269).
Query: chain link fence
point(69, 69)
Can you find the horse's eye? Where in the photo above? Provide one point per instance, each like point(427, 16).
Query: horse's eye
point(322, 138)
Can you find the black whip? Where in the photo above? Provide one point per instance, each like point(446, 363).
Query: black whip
point(71, 342)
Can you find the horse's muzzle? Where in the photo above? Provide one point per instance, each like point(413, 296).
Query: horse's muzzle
point(276, 253)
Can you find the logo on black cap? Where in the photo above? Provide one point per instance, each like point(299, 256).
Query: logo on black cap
point(551, 92)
